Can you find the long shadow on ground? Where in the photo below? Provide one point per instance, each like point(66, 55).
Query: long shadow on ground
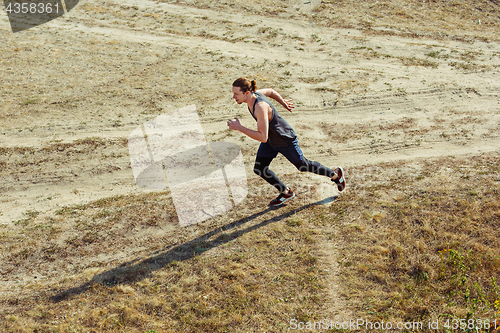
point(139, 269)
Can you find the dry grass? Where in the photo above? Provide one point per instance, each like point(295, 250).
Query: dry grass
point(460, 19)
point(342, 88)
point(346, 132)
point(417, 242)
point(424, 243)
point(28, 165)
point(252, 274)
point(404, 129)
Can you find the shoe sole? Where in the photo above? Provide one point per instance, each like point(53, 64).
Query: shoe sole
point(281, 203)
point(341, 180)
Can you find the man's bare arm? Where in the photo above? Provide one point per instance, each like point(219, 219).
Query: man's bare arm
point(269, 92)
point(261, 134)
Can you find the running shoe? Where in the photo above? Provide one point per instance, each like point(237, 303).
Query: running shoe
point(340, 180)
point(282, 198)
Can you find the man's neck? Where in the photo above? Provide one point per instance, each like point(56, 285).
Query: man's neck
point(251, 100)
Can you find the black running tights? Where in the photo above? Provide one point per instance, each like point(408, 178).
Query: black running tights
point(261, 168)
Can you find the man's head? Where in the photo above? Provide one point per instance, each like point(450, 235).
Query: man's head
point(243, 89)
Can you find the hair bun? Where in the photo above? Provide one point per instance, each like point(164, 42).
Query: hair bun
point(254, 85)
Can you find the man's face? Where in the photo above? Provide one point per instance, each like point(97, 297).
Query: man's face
point(238, 95)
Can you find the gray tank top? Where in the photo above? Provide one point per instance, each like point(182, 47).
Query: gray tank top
point(280, 133)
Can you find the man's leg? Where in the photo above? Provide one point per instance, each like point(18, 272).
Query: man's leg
point(261, 168)
point(306, 165)
point(264, 157)
point(336, 176)
point(294, 154)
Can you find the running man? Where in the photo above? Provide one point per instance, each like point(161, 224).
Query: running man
point(275, 136)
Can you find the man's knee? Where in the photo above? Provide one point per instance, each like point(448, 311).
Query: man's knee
point(259, 168)
point(261, 164)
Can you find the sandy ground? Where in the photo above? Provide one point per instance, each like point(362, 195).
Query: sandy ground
point(107, 67)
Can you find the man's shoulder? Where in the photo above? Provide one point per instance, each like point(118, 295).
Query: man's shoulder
point(262, 104)
point(262, 98)
point(265, 91)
